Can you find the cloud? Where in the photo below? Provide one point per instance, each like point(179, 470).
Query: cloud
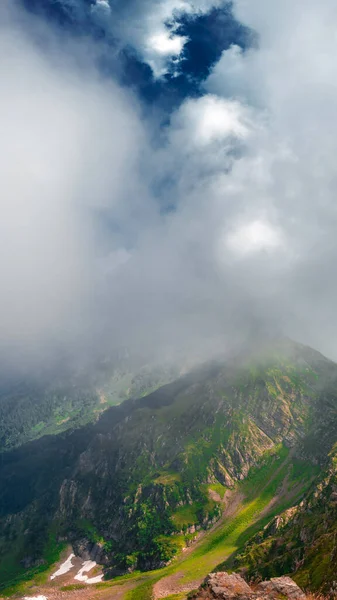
point(155, 32)
point(150, 27)
point(250, 172)
point(68, 141)
point(210, 119)
point(290, 81)
point(253, 237)
point(185, 237)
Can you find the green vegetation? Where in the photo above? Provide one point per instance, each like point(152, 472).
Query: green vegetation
point(305, 537)
point(167, 478)
point(16, 575)
point(228, 538)
point(218, 488)
point(72, 587)
point(137, 479)
point(50, 405)
point(31, 411)
point(194, 513)
point(185, 516)
point(141, 592)
point(233, 534)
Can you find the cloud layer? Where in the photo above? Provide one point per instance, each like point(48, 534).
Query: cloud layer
point(190, 236)
point(68, 143)
point(151, 27)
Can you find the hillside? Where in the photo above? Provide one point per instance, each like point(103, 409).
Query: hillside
point(301, 540)
point(47, 403)
point(132, 488)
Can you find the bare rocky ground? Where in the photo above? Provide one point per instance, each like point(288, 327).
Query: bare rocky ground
point(222, 586)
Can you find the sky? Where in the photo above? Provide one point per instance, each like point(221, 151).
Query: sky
point(168, 175)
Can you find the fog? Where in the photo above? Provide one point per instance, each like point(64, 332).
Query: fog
point(188, 238)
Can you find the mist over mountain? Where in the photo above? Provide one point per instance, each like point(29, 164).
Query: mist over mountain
point(165, 229)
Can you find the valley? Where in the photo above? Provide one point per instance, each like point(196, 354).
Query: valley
point(279, 483)
point(225, 468)
point(49, 403)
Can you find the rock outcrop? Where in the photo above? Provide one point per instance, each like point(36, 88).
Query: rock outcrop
point(223, 586)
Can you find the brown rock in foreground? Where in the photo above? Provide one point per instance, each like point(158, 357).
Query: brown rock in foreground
point(280, 587)
point(223, 586)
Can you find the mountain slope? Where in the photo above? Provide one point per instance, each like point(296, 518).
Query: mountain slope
point(43, 404)
point(302, 540)
point(132, 487)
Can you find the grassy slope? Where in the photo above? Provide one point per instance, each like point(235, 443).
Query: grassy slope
point(302, 542)
point(279, 474)
point(225, 540)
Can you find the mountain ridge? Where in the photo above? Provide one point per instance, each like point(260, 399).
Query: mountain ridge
point(135, 484)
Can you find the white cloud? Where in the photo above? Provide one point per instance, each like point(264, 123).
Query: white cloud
point(166, 44)
point(252, 172)
point(101, 8)
point(221, 224)
point(68, 141)
point(150, 27)
point(256, 236)
point(212, 118)
point(160, 48)
point(102, 4)
point(290, 79)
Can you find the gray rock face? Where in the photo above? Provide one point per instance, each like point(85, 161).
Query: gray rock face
point(223, 586)
point(228, 586)
point(280, 587)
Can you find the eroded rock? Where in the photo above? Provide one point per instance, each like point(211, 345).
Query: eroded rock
point(280, 587)
point(225, 586)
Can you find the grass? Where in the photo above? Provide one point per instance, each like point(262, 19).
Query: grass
point(302, 471)
point(142, 591)
point(72, 587)
point(218, 488)
point(225, 541)
point(18, 577)
point(190, 514)
point(218, 547)
point(168, 478)
point(185, 515)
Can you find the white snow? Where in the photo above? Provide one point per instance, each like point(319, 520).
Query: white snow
point(64, 568)
point(34, 598)
point(87, 566)
point(80, 576)
point(96, 579)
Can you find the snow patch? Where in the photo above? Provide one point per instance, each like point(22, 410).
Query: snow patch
point(96, 579)
point(87, 566)
point(64, 568)
point(35, 598)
